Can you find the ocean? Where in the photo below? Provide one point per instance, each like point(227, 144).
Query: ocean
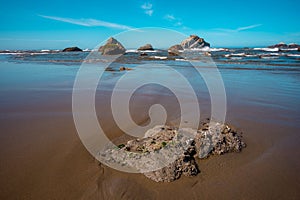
point(40, 145)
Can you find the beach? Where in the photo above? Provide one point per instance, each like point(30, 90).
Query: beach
point(42, 156)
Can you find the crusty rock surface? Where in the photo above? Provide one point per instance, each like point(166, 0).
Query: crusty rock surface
point(217, 139)
point(159, 147)
point(112, 47)
point(166, 153)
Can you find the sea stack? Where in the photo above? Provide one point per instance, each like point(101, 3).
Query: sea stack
point(193, 42)
point(112, 47)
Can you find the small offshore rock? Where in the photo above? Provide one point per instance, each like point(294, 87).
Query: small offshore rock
point(193, 42)
point(283, 46)
point(112, 47)
point(143, 54)
point(146, 47)
point(71, 49)
point(175, 50)
point(124, 68)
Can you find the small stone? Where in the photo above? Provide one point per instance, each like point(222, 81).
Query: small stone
point(124, 68)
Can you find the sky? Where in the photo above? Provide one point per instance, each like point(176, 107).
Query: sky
point(57, 24)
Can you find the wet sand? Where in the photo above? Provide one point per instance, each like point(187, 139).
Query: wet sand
point(43, 158)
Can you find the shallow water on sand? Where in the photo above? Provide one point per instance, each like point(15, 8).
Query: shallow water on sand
point(42, 156)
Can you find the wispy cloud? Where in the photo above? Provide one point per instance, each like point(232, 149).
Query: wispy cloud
point(169, 17)
point(147, 7)
point(149, 12)
point(239, 28)
point(88, 22)
point(176, 21)
point(248, 27)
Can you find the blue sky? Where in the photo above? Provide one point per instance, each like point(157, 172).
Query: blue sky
point(57, 24)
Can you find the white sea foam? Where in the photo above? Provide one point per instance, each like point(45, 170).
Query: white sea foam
point(293, 55)
point(266, 49)
point(142, 51)
point(268, 57)
point(250, 55)
point(200, 49)
point(12, 53)
point(289, 49)
point(38, 53)
point(236, 58)
point(131, 51)
point(149, 51)
point(217, 49)
point(207, 49)
point(180, 59)
point(274, 54)
point(270, 54)
point(159, 57)
point(238, 54)
point(45, 50)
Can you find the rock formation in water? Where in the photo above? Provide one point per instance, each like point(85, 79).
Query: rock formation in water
point(122, 68)
point(193, 42)
point(112, 47)
point(166, 153)
point(146, 47)
point(282, 45)
point(70, 49)
point(175, 50)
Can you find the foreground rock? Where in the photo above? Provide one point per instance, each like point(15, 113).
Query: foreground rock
point(71, 49)
point(282, 45)
point(184, 164)
point(194, 42)
point(146, 47)
point(166, 153)
point(217, 139)
point(112, 47)
point(175, 50)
